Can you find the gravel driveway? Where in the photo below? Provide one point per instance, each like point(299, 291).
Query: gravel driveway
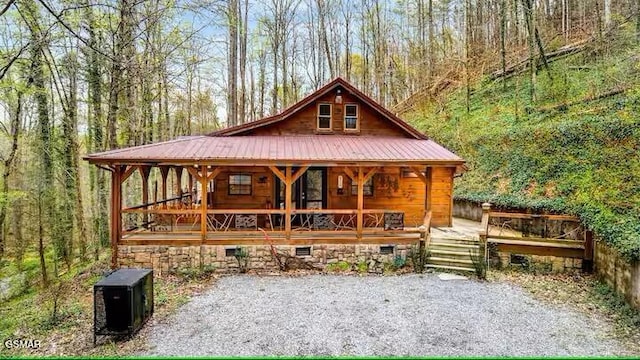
point(388, 315)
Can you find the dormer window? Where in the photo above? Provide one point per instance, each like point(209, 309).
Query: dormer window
point(351, 117)
point(324, 116)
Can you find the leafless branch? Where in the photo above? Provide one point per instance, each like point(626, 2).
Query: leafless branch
point(16, 56)
point(73, 32)
point(6, 7)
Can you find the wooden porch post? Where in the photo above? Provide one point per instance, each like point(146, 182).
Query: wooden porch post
point(164, 171)
point(155, 191)
point(116, 208)
point(203, 203)
point(144, 173)
point(287, 203)
point(360, 218)
point(178, 171)
point(429, 190)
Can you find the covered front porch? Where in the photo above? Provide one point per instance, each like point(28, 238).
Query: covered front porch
point(311, 206)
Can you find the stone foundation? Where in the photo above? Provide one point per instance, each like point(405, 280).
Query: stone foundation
point(165, 258)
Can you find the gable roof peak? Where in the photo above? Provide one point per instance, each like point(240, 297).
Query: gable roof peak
point(338, 81)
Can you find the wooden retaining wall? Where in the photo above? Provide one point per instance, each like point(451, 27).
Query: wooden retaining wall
point(609, 266)
point(618, 273)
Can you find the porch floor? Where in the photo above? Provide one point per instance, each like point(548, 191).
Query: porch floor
point(258, 238)
point(461, 229)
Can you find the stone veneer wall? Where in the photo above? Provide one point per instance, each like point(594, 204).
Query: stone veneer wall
point(165, 258)
point(618, 273)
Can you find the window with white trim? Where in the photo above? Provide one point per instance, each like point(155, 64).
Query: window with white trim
point(351, 117)
point(324, 116)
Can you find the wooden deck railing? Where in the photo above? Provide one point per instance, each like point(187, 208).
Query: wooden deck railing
point(522, 242)
point(188, 221)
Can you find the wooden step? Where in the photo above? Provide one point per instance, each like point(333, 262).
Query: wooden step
point(435, 259)
point(453, 253)
point(461, 247)
point(437, 240)
point(453, 268)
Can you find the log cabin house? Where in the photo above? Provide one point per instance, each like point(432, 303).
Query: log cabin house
point(335, 176)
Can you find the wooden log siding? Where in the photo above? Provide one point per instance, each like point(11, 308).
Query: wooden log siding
point(305, 121)
point(411, 196)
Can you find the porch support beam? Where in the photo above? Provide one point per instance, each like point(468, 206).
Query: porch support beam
point(278, 173)
point(194, 173)
point(215, 172)
point(116, 208)
point(299, 173)
point(287, 202)
point(127, 172)
point(350, 174)
point(360, 217)
point(370, 174)
point(416, 170)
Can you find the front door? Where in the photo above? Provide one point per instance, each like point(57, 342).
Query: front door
point(308, 192)
point(313, 186)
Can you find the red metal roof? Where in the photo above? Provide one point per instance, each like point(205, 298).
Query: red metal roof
point(239, 129)
point(283, 149)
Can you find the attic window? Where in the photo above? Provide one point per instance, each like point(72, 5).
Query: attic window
point(324, 116)
point(351, 117)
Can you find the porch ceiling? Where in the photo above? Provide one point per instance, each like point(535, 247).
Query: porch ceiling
point(284, 149)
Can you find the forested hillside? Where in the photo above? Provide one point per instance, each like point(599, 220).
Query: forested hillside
point(541, 98)
point(85, 76)
point(569, 143)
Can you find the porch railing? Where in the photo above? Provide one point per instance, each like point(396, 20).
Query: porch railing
point(188, 220)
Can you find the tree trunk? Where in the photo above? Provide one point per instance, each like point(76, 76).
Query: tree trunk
point(242, 106)
point(232, 65)
point(528, 16)
point(8, 166)
point(95, 140)
point(43, 147)
point(503, 51)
